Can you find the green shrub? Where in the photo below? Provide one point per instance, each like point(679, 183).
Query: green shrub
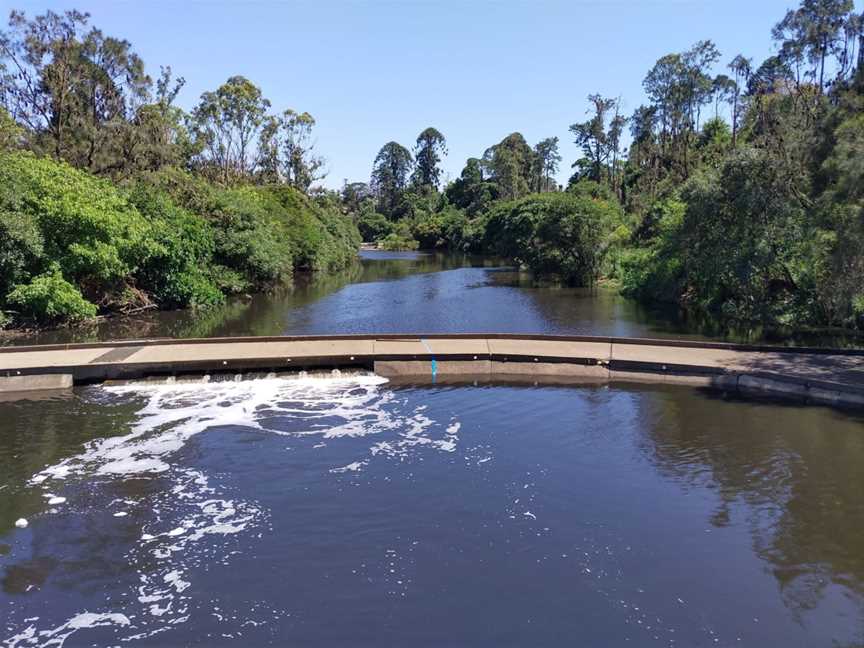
point(175, 273)
point(87, 226)
point(11, 134)
point(442, 229)
point(250, 237)
point(428, 231)
point(50, 298)
point(557, 234)
point(167, 237)
point(396, 242)
point(322, 237)
point(265, 232)
point(374, 226)
point(228, 280)
point(655, 271)
point(21, 245)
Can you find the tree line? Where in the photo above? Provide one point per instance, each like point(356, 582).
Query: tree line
point(735, 191)
point(114, 199)
point(739, 193)
point(84, 97)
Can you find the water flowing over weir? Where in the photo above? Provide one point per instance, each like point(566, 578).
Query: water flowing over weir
point(189, 520)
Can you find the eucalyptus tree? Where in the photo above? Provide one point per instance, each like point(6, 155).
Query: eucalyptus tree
point(698, 82)
point(228, 121)
point(773, 76)
point(428, 151)
point(547, 158)
point(390, 172)
point(616, 130)
point(742, 68)
point(678, 86)
point(511, 163)
point(158, 135)
point(302, 164)
point(817, 30)
point(72, 87)
point(286, 152)
point(599, 137)
point(722, 90)
point(663, 87)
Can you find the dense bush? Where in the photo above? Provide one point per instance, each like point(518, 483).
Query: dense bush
point(266, 231)
point(249, 235)
point(324, 238)
point(50, 298)
point(442, 229)
point(21, 243)
point(88, 227)
point(763, 276)
point(653, 270)
point(373, 226)
point(70, 241)
point(176, 272)
point(559, 234)
point(396, 242)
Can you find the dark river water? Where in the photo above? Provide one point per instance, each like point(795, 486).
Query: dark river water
point(348, 511)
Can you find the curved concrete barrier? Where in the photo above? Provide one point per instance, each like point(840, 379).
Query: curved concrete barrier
point(829, 376)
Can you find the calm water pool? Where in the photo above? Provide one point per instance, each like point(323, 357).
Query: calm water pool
point(352, 512)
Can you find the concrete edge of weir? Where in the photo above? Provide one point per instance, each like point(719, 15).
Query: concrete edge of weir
point(670, 342)
point(803, 374)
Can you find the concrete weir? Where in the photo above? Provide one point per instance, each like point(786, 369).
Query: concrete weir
point(826, 376)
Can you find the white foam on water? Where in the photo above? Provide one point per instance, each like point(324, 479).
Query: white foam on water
point(190, 522)
point(352, 467)
point(176, 412)
point(56, 637)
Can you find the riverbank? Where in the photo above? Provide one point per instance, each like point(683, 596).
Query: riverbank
point(76, 246)
point(419, 292)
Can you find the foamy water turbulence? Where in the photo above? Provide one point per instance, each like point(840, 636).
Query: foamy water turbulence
point(189, 524)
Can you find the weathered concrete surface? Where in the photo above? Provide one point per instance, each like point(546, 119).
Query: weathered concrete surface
point(826, 376)
point(486, 368)
point(35, 382)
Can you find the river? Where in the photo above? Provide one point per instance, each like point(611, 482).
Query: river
point(420, 292)
point(348, 511)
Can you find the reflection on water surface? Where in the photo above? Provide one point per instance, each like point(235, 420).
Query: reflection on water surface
point(421, 292)
point(350, 511)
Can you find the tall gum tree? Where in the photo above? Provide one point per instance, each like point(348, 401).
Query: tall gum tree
point(429, 149)
point(73, 88)
point(228, 121)
point(390, 172)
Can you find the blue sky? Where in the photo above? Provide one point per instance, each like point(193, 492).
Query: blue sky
point(375, 71)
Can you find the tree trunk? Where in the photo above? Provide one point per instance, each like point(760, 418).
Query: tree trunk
point(822, 66)
point(735, 119)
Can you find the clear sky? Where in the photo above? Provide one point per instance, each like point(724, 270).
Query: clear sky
point(374, 71)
